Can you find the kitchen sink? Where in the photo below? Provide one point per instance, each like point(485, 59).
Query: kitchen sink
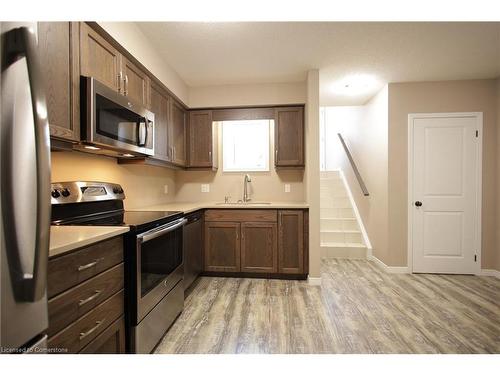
point(242, 203)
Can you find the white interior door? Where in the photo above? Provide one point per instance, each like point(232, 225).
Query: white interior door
point(445, 178)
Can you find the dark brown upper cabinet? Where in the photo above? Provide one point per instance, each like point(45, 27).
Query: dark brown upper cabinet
point(259, 247)
point(291, 241)
point(160, 106)
point(202, 140)
point(289, 137)
point(99, 59)
point(58, 50)
point(136, 83)
point(177, 139)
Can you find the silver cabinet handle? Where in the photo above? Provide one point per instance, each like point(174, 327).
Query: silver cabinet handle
point(125, 85)
point(28, 284)
point(276, 152)
point(89, 265)
point(120, 82)
point(97, 324)
point(92, 297)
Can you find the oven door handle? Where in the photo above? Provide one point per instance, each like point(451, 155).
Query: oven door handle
point(157, 232)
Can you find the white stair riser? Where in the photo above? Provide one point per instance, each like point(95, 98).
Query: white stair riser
point(344, 252)
point(338, 224)
point(341, 237)
point(336, 212)
point(329, 174)
point(330, 202)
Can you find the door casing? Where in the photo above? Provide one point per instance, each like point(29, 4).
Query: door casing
point(479, 174)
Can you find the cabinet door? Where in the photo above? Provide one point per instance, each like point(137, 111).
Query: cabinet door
point(259, 251)
point(58, 50)
point(291, 241)
point(110, 341)
point(135, 83)
point(200, 139)
point(177, 133)
point(289, 137)
point(99, 58)
point(160, 102)
point(222, 247)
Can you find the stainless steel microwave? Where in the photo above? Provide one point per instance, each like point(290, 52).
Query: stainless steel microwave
point(112, 123)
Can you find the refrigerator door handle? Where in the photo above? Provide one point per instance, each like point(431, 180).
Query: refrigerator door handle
point(30, 285)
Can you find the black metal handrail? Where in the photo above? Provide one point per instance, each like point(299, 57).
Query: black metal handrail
point(354, 167)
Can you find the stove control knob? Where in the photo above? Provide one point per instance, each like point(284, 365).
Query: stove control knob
point(116, 190)
point(65, 192)
point(120, 191)
point(55, 193)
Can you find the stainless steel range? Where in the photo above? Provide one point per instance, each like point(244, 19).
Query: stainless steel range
point(153, 254)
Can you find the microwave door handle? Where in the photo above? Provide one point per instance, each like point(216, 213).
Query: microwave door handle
point(30, 285)
point(142, 132)
point(157, 232)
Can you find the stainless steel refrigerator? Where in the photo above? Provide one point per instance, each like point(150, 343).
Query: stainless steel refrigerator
point(25, 192)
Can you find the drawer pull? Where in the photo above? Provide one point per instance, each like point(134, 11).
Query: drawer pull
point(93, 296)
point(89, 265)
point(85, 334)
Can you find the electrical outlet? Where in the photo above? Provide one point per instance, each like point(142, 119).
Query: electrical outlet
point(165, 189)
point(205, 188)
point(287, 188)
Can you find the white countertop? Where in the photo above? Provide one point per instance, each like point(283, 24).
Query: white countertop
point(69, 237)
point(187, 207)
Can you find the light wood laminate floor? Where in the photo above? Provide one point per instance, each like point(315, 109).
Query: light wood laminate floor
point(358, 309)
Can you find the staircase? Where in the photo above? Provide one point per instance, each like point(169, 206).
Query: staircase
point(340, 236)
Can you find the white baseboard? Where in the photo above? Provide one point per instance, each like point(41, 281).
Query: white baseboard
point(490, 272)
point(388, 269)
point(314, 280)
point(364, 233)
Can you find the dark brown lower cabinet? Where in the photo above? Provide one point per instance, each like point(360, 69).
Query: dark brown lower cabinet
point(263, 243)
point(291, 241)
point(110, 341)
point(259, 247)
point(222, 247)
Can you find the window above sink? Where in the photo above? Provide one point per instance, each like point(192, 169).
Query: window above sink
point(245, 145)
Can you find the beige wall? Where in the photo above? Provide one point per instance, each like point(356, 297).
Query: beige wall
point(134, 41)
point(367, 138)
point(250, 94)
point(312, 171)
point(449, 96)
point(265, 186)
point(143, 185)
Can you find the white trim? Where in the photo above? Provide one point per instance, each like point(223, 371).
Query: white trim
point(386, 268)
point(479, 181)
point(490, 272)
point(314, 281)
point(357, 215)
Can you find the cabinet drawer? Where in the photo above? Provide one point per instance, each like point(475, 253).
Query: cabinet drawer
point(110, 341)
point(71, 269)
point(241, 215)
point(74, 303)
point(89, 326)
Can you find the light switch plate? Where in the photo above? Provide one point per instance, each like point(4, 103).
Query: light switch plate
point(165, 189)
point(205, 188)
point(287, 188)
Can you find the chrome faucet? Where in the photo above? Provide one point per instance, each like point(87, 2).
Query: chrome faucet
point(245, 188)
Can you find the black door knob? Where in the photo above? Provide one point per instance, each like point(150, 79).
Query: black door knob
point(418, 203)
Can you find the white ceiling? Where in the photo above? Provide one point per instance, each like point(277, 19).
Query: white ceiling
point(205, 53)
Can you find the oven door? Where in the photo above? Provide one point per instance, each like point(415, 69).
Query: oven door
point(159, 264)
point(113, 120)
